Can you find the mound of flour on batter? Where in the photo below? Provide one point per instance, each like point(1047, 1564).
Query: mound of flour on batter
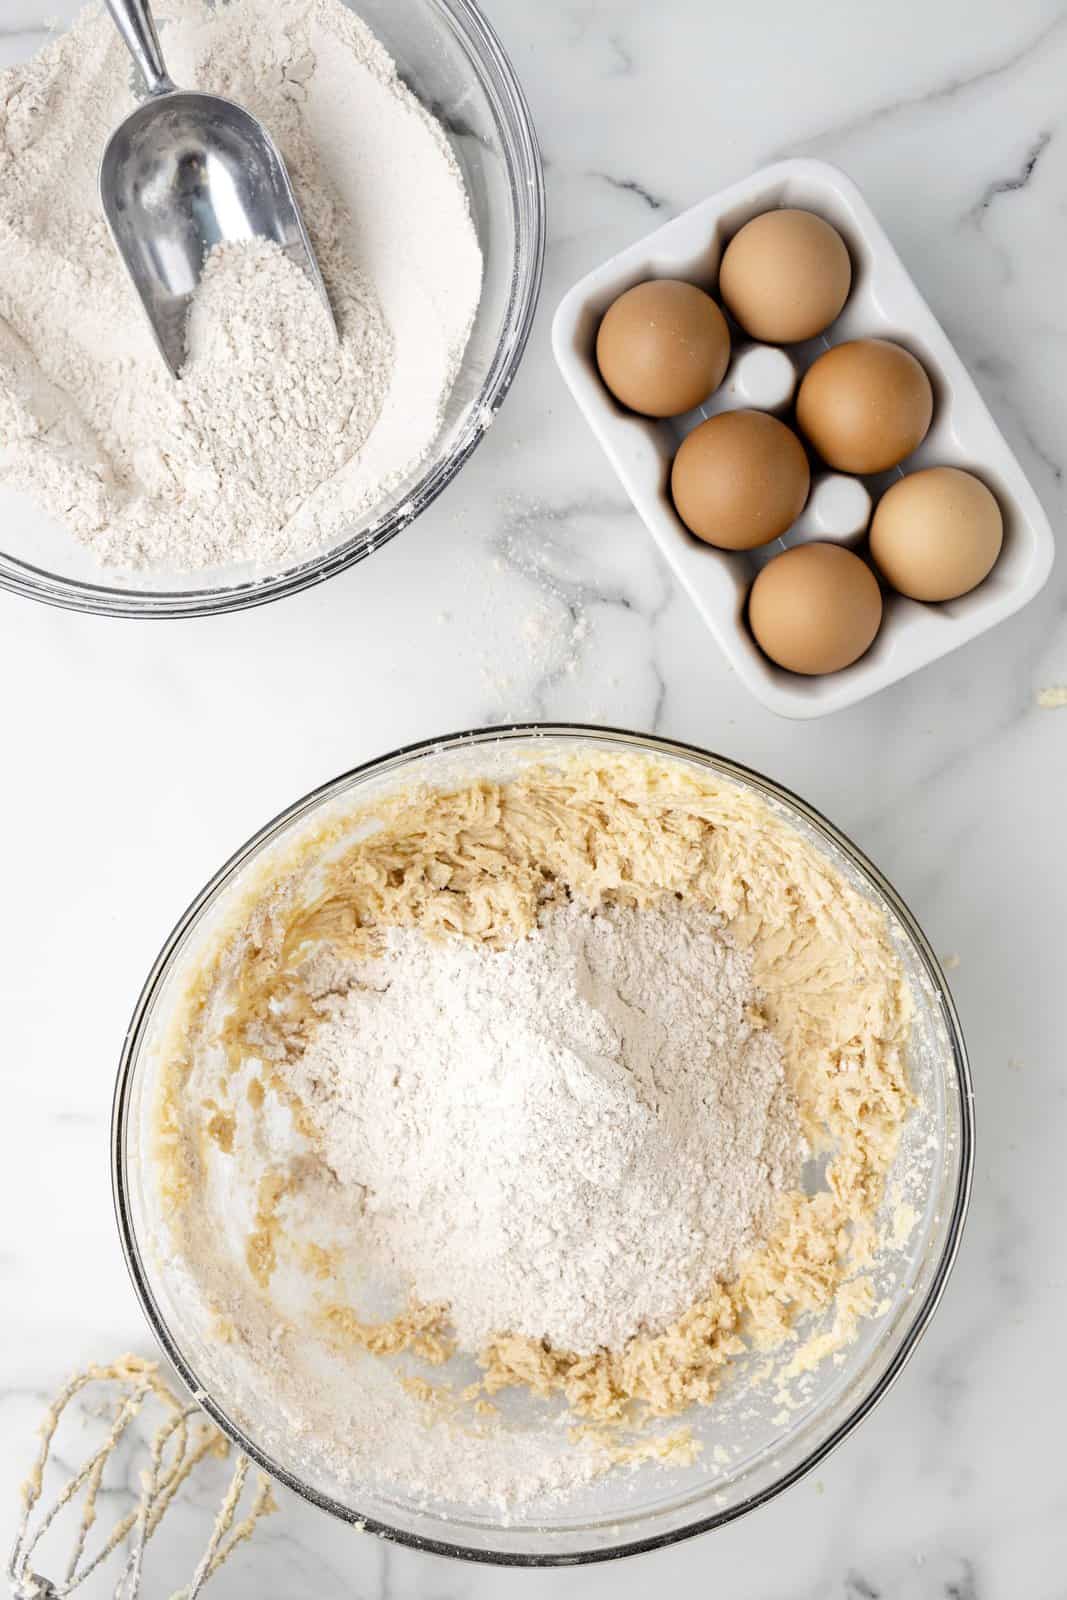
point(276, 439)
point(571, 1138)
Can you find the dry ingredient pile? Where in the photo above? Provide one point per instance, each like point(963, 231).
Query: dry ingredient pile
point(505, 1091)
point(277, 438)
point(570, 1138)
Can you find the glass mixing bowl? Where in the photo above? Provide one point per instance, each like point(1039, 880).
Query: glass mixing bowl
point(629, 1512)
point(450, 57)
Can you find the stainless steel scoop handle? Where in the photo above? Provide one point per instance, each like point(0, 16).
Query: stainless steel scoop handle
point(133, 19)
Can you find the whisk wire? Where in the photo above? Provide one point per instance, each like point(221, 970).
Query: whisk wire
point(176, 1448)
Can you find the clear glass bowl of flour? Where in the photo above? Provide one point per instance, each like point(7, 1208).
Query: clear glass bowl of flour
point(752, 1449)
point(449, 56)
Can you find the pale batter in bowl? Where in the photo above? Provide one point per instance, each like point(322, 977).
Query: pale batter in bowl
point(482, 863)
point(272, 1245)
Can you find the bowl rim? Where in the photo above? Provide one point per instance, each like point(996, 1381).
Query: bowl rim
point(526, 182)
point(527, 732)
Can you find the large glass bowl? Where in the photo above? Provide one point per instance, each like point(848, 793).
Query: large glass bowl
point(657, 1505)
point(450, 57)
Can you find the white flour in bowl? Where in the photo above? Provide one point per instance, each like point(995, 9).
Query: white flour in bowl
point(276, 439)
point(570, 1138)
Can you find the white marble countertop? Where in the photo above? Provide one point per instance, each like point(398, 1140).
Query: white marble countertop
point(139, 755)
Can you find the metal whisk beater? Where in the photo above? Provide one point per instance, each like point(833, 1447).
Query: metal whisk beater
point(182, 1439)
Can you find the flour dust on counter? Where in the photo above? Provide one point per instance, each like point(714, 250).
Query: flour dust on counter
point(276, 437)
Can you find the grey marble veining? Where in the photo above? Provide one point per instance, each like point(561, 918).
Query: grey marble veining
point(138, 757)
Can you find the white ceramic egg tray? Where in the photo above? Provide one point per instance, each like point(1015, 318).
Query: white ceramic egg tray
point(884, 302)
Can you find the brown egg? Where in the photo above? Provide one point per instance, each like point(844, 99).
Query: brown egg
point(936, 534)
point(740, 479)
point(662, 347)
point(815, 608)
point(785, 276)
point(865, 405)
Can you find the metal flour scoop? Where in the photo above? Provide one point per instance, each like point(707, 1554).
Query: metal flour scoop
point(183, 172)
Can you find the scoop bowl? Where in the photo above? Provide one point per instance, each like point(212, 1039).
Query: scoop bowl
point(182, 173)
